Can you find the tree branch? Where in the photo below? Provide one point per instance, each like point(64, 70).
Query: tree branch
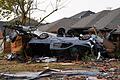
point(28, 6)
point(46, 17)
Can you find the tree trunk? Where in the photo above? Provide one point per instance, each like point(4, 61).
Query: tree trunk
point(23, 19)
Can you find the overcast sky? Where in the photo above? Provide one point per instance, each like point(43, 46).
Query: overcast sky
point(73, 7)
point(77, 6)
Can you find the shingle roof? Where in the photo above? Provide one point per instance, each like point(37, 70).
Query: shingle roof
point(83, 22)
point(104, 19)
point(82, 14)
point(110, 20)
point(65, 22)
point(62, 23)
point(90, 20)
point(98, 17)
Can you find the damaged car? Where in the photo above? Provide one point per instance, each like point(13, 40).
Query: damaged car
point(44, 44)
point(62, 46)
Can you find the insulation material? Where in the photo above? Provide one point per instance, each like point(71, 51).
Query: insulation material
point(16, 46)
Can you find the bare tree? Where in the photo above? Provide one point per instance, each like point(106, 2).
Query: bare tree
point(25, 8)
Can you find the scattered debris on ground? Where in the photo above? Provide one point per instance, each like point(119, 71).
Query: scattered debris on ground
point(96, 70)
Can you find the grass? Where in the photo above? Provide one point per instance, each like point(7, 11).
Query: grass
point(13, 66)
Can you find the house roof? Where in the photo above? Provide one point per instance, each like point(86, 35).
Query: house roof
point(65, 22)
point(62, 23)
point(91, 20)
point(83, 22)
point(104, 19)
point(98, 17)
point(111, 20)
point(82, 14)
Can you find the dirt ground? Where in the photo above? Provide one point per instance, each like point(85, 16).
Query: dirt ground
point(14, 66)
point(112, 66)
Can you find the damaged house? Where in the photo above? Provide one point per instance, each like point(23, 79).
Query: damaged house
point(104, 22)
point(20, 40)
